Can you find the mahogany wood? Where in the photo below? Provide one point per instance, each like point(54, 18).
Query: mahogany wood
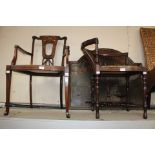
point(47, 68)
point(112, 63)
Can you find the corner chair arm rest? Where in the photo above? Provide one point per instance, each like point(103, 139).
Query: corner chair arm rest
point(94, 60)
point(89, 42)
point(16, 49)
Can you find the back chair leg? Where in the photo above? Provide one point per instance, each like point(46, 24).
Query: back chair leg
point(92, 94)
point(31, 105)
point(61, 92)
point(127, 93)
point(8, 89)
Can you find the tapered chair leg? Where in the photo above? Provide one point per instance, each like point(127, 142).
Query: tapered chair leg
point(61, 92)
point(67, 95)
point(8, 89)
point(31, 105)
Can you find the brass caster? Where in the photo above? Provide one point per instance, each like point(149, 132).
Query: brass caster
point(6, 113)
point(68, 115)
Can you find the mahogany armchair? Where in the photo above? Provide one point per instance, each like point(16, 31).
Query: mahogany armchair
point(111, 63)
point(47, 68)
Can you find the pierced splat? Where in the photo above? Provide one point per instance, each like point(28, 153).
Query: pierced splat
point(49, 44)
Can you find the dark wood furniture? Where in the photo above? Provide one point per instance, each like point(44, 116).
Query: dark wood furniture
point(112, 89)
point(103, 65)
point(148, 40)
point(47, 68)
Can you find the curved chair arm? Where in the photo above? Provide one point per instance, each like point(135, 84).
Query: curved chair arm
point(89, 53)
point(18, 48)
point(89, 42)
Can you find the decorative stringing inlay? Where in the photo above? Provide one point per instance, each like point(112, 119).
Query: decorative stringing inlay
point(144, 73)
point(97, 72)
point(122, 69)
point(41, 67)
point(7, 72)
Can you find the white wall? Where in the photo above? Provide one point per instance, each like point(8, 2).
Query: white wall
point(46, 90)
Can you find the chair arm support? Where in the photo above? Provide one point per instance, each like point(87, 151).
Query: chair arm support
point(18, 48)
point(66, 72)
point(66, 55)
point(89, 53)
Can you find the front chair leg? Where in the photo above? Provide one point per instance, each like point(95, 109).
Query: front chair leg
point(8, 89)
point(97, 96)
point(67, 95)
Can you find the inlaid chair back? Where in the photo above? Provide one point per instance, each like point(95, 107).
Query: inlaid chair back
point(49, 49)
